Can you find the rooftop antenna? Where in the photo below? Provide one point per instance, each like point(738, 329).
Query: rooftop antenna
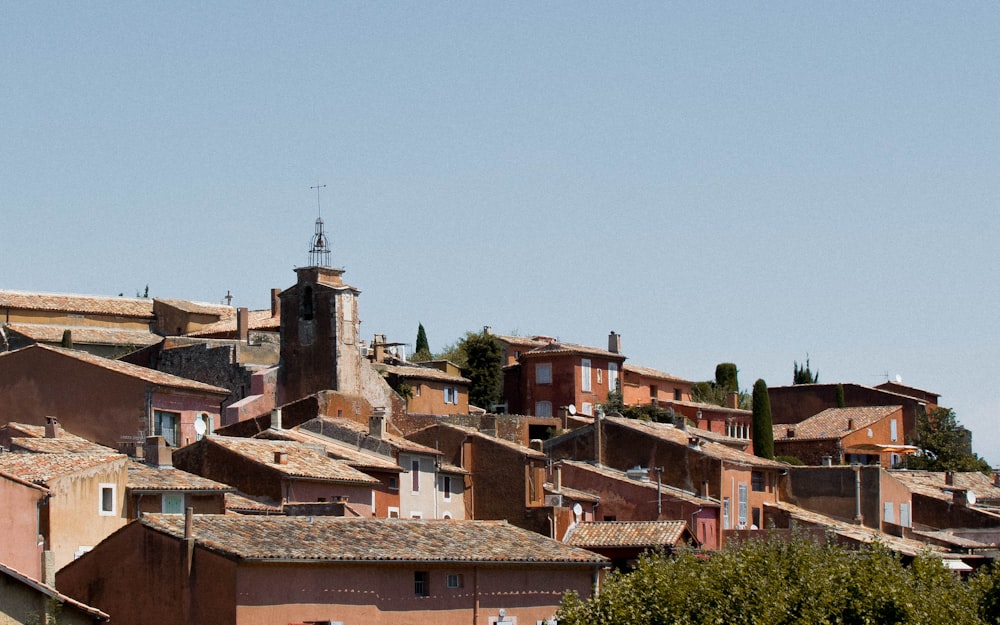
point(319, 253)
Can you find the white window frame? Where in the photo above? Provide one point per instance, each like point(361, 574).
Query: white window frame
point(113, 488)
point(586, 376)
point(612, 376)
point(587, 408)
point(393, 512)
point(543, 373)
point(893, 430)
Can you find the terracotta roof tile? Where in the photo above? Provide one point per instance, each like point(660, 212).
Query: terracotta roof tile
point(355, 457)
point(712, 449)
point(934, 484)
point(638, 534)
point(40, 468)
point(521, 449)
point(85, 335)
point(422, 373)
point(80, 304)
point(371, 540)
point(833, 422)
point(621, 476)
point(198, 308)
point(62, 445)
point(342, 429)
point(854, 532)
point(569, 348)
point(303, 461)
point(259, 320)
point(130, 370)
point(142, 477)
point(653, 373)
point(241, 502)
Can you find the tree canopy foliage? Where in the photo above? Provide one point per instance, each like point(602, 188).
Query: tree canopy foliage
point(763, 430)
point(484, 359)
point(794, 582)
point(944, 444)
point(803, 375)
point(716, 392)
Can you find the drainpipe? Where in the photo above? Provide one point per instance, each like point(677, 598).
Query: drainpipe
point(659, 498)
point(475, 595)
point(857, 494)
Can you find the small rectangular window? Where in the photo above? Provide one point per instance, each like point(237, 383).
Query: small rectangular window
point(742, 507)
point(167, 425)
point(654, 391)
point(893, 430)
point(415, 476)
point(108, 495)
point(904, 514)
point(677, 394)
point(612, 376)
point(421, 584)
point(393, 512)
point(543, 409)
point(585, 375)
point(889, 512)
point(543, 373)
point(455, 581)
point(446, 487)
point(757, 481)
point(393, 483)
point(725, 513)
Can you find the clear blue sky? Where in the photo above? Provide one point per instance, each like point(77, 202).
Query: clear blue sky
point(717, 182)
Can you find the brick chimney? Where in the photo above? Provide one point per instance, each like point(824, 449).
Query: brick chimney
point(949, 478)
point(850, 424)
point(275, 302)
point(378, 346)
point(158, 454)
point(242, 324)
point(281, 457)
point(49, 569)
point(51, 427)
point(614, 343)
point(732, 400)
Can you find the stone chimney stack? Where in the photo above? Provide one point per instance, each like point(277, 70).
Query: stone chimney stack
point(158, 454)
point(281, 457)
point(51, 427)
point(275, 302)
point(242, 324)
point(614, 343)
point(49, 569)
point(378, 346)
point(376, 424)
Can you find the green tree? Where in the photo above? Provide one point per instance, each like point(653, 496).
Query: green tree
point(616, 400)
point(841, 402)
point(944, 444)
point(726, 377)
point(803, 375)
point(455, 352)
point(763, 430)
point(484, 359)
point(422, 349)
point(779, 582)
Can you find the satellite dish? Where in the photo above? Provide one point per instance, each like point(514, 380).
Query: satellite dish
point(571, 409)
point(578, 510)
point(971, 498)
point(899, 379)
point(199, 426)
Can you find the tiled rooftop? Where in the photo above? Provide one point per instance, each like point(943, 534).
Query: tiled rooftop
point(134, 371)
point(521, 449)
point(858, 533)
point(637, 534)
point(142, 477)
point(63, 445)
point(665, 489)
point(352, 432)
point(422, 373)
point(934, 484)
point(653, 373)
point(243, 503)
point(370, 540)
point(303, 461)
point(40, 468)
point(834, 422)
point(259, 320)
point(199, 308)
point(86, 335)
point(569, 348)
point(357, 458)
point(77, 304)
point(712, 449)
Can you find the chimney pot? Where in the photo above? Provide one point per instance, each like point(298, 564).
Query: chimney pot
point(791, 432)
point(376, 423)
point(275, 302)
point(51, 427)
point(281, 457)
point(614, 343)
point(850, 424)
point(949, 478)
point(732, 400)
point(158, 454)
point(242, 324)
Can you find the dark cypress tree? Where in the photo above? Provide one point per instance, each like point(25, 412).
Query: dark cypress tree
point(485, 358)
point(803, 375)
point(422, 349)
point(841, 403)
point(763, 430)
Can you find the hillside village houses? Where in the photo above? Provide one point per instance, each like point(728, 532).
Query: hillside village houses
point(316, 477)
